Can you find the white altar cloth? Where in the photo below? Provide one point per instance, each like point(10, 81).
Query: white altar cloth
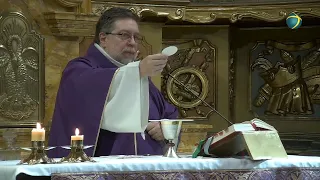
point(9, 170)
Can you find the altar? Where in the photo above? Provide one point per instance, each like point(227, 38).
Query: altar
point(158, 167)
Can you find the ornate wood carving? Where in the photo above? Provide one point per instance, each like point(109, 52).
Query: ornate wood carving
point(171, 12)
point(75, 24)
point(290, 74)
point(207, 14)
point(190, 65)
point(21, 72)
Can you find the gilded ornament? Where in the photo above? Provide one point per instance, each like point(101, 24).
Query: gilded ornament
point(182, 98)
point(82, 23)
point(265, 16)
point(292, 82)
point(181, 67)
point(21, 53)
point(172, 13)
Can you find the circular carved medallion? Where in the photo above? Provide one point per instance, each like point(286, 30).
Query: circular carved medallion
point(194, 79)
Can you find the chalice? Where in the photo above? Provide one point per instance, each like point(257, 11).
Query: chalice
point(171, 129)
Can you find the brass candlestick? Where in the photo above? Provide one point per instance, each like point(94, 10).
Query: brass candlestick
point(77, 154)
point(37, 155)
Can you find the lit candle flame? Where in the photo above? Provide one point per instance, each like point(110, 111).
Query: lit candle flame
point(38, 126)
point(77, 132)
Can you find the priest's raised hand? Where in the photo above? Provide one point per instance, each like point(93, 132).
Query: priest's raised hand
point(153, 65)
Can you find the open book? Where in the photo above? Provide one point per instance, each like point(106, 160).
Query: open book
point(260, 125)
point(253, 125)
point(251, 138)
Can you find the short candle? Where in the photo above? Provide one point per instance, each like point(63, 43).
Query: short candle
point(38, 134)
point(77, 137)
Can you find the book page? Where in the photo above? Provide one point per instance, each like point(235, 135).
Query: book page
point(261, 124)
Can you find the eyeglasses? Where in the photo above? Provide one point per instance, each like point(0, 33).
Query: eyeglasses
point(127, 36)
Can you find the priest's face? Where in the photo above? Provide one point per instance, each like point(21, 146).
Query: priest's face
point(122, 42)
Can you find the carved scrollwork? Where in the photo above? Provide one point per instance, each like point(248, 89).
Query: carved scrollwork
point(70, 3)
point(199, 16)
point(21, 54)
point(267, 13)
point(270, 16)
point(140, 10)
point(309, 12)
point(185, 67)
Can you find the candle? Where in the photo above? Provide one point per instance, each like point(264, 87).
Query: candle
point(38, 134)
point(77, 137)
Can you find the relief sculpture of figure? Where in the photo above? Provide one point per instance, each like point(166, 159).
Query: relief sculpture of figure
point(18, 70)
point(284, 88)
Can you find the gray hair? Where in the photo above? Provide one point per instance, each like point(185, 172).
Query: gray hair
point(109, 17)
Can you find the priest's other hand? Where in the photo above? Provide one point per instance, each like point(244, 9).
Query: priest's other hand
point(153, 64)
point(154, 130)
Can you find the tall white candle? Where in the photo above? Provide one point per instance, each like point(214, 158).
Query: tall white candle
point(38, 134)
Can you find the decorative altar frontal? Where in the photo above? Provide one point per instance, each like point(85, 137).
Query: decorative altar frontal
point(158, 167)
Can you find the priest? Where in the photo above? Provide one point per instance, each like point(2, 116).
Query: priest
point(109, 96)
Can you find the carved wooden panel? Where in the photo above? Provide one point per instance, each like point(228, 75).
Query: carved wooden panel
point(285, 79)
point(277, 80)
point(21, 72)
point(195, 59)
point(200, 67)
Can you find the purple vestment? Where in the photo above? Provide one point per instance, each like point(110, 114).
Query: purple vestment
point(79, 104)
